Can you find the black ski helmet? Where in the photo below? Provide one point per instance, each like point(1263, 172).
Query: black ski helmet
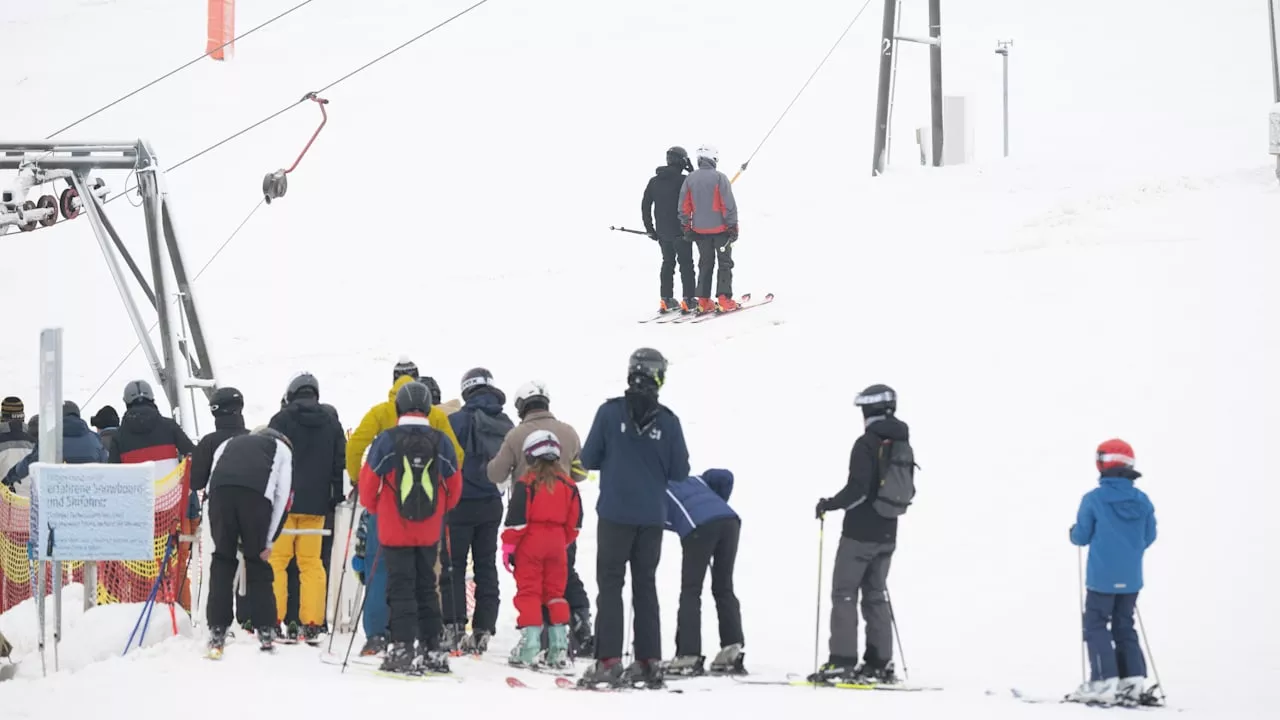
point(413, 397)
point(473, 380)
point(226, 401)
point(301, 382)
point(877, 400)
point(646, 368)
point(434, 387)
point(679, 157)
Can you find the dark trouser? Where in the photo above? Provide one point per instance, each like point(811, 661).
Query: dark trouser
point(575, 593)
point(326, 552)
point(473, 528)
point(861, 567)
point(1114, 652)
point(676, 250)
point(616, 547)
point(714, 250)
point(714, 544)
point(412, 596)
point(239, 517)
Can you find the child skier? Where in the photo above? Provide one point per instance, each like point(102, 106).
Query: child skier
point(409, 482)
point(698, 511)
point(543, 519)
point(1118, 523)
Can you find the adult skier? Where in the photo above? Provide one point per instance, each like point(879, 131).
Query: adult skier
point(709, 217)
point(533, 406)
point(249, 489)
point(107, 423)
point(15, 443)
point(880, 485)
point(543, 519)
point(409, 483)
point(80, 445)
point(698, 511)
point(660, 210)
point(1117, 521)
point(319, 449)
point(480, 427)
point(380, 417)
point(227, 407)
point(638, 446)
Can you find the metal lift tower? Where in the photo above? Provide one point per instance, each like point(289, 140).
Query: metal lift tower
point(888, 50)
point(183, 360)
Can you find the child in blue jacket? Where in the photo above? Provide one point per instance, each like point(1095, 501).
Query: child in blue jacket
point(698, 511)
point(1118, 523)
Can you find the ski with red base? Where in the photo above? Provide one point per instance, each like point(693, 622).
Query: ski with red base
point(744, 303)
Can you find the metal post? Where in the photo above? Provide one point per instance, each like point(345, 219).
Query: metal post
point(90, 585)
point(50, 442)
point(1273, 12)
point(887, 47)
point(935, 78)
point(1003, 51)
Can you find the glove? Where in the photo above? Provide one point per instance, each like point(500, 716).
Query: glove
point(509, 557)
point(823, 506)
point(653, 234)
point(689, 234)
point(732, 232)
point(265, 554)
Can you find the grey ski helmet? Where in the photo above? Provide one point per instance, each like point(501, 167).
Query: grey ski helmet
point(413, 397)
point(136, 391)
point(301, 382)
point(877, 400)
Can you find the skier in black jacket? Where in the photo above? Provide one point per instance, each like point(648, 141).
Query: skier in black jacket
point(227, 407)
point(319, 456)
point(662, 199)
point(866, 549)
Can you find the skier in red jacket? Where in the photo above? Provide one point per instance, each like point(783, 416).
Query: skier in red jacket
point(409, 481)
point(543, 519)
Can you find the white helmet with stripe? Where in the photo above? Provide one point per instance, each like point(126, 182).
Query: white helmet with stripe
point(541, 445)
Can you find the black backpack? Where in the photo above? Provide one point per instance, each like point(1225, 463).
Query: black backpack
point(418, 486)
point(897, 478)
point(486, 436)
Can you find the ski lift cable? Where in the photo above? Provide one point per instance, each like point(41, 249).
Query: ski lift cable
point(178, 69)
point(802, 89)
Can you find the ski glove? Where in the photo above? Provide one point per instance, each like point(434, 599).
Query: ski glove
point(732, 232)
point(509, 557)
point(823, 506)
point(653, 234)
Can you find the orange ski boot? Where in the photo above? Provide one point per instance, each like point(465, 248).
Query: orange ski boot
point(726, 304)
point(705, 305)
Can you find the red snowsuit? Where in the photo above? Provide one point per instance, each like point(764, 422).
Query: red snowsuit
point(542, 523)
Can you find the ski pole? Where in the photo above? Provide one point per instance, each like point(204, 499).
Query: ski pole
point(1146, 641)
point(342, 574)
point(360, 612)
point(817, 617)
point(893, 620)
point(628, 230)
point(1084, 650)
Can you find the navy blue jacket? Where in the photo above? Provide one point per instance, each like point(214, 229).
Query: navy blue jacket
point(699, 500)
point(635, 467)
point(475, 456)
point(80, 445)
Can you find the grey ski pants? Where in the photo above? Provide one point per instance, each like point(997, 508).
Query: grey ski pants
point(861, 567)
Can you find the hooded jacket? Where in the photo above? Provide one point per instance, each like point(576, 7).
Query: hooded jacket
point(319, 451)
point(706, 204)
point(635, 463)
point(382, 417)
point(225, 428)
point(661, 202)
point(15, 445)
point(698, 500)
point(510, 463)
point(1118, 523)
point(475, 479)
point(80, 445)
point(379, 479)
point(146, 435)
point(861, 521)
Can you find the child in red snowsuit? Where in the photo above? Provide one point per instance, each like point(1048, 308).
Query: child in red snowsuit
point(543, 519)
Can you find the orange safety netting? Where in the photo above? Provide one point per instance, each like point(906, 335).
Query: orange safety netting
point(118, 581)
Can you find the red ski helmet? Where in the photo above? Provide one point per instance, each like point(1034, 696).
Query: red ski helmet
point(1115, 453)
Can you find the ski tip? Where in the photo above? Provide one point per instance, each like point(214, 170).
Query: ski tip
point(516, 683)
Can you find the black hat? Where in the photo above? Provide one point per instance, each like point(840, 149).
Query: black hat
point(107, 417)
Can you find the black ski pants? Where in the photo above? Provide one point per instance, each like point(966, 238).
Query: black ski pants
point(412, 596)
point(326, 553)
point(676, 251)
point(713, 545)
point(714, 250)
point(239, 517)
point(616, 547)
point(473, 528)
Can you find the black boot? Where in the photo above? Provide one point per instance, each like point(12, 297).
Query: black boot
point(399, 658)
point(645, 673)
point(603, 672)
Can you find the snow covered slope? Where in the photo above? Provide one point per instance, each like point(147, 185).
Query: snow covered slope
point(1112, 279)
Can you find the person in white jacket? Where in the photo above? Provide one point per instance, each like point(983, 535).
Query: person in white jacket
point(250, 487)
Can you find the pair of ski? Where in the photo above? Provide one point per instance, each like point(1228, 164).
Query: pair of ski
point(675, 316)
point(797, 681)
point(1148, 701)
point(372, 665)
point(567, 683)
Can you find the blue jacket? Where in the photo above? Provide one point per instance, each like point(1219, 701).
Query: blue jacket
point(1118, 523)
point(698, 500)
point(635, 463)
point(79, 445)
point(480, 448)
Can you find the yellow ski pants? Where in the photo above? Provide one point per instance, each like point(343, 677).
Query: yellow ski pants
point(311, 572)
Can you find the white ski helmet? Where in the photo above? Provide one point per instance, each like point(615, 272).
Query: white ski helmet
point(541, 444)
point(709, 152)
point(532, 390)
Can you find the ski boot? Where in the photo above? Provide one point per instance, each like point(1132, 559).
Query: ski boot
point(399, 658)
point(525, 653)
point(1096, 692)
point(311, 634)
point(869, 674)
point(374, 645)
point(247, 626)
point(725, 303)
point(686, 666)
point(267, 638)
point(836, 670)
point(606, 672)
point(451, 637)
point(558, 648)
point(476, 643)
point(667, 305)
point(581, 641)
point(645, 674)
point(705, 305)
point(217, 640)
point(289, 635)
point(434, 661)
point(688, 305)
point(729, 661)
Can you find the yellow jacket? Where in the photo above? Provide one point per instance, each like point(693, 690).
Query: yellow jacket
point(383, 416)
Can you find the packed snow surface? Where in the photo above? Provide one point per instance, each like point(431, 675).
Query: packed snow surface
point(1112, 278)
